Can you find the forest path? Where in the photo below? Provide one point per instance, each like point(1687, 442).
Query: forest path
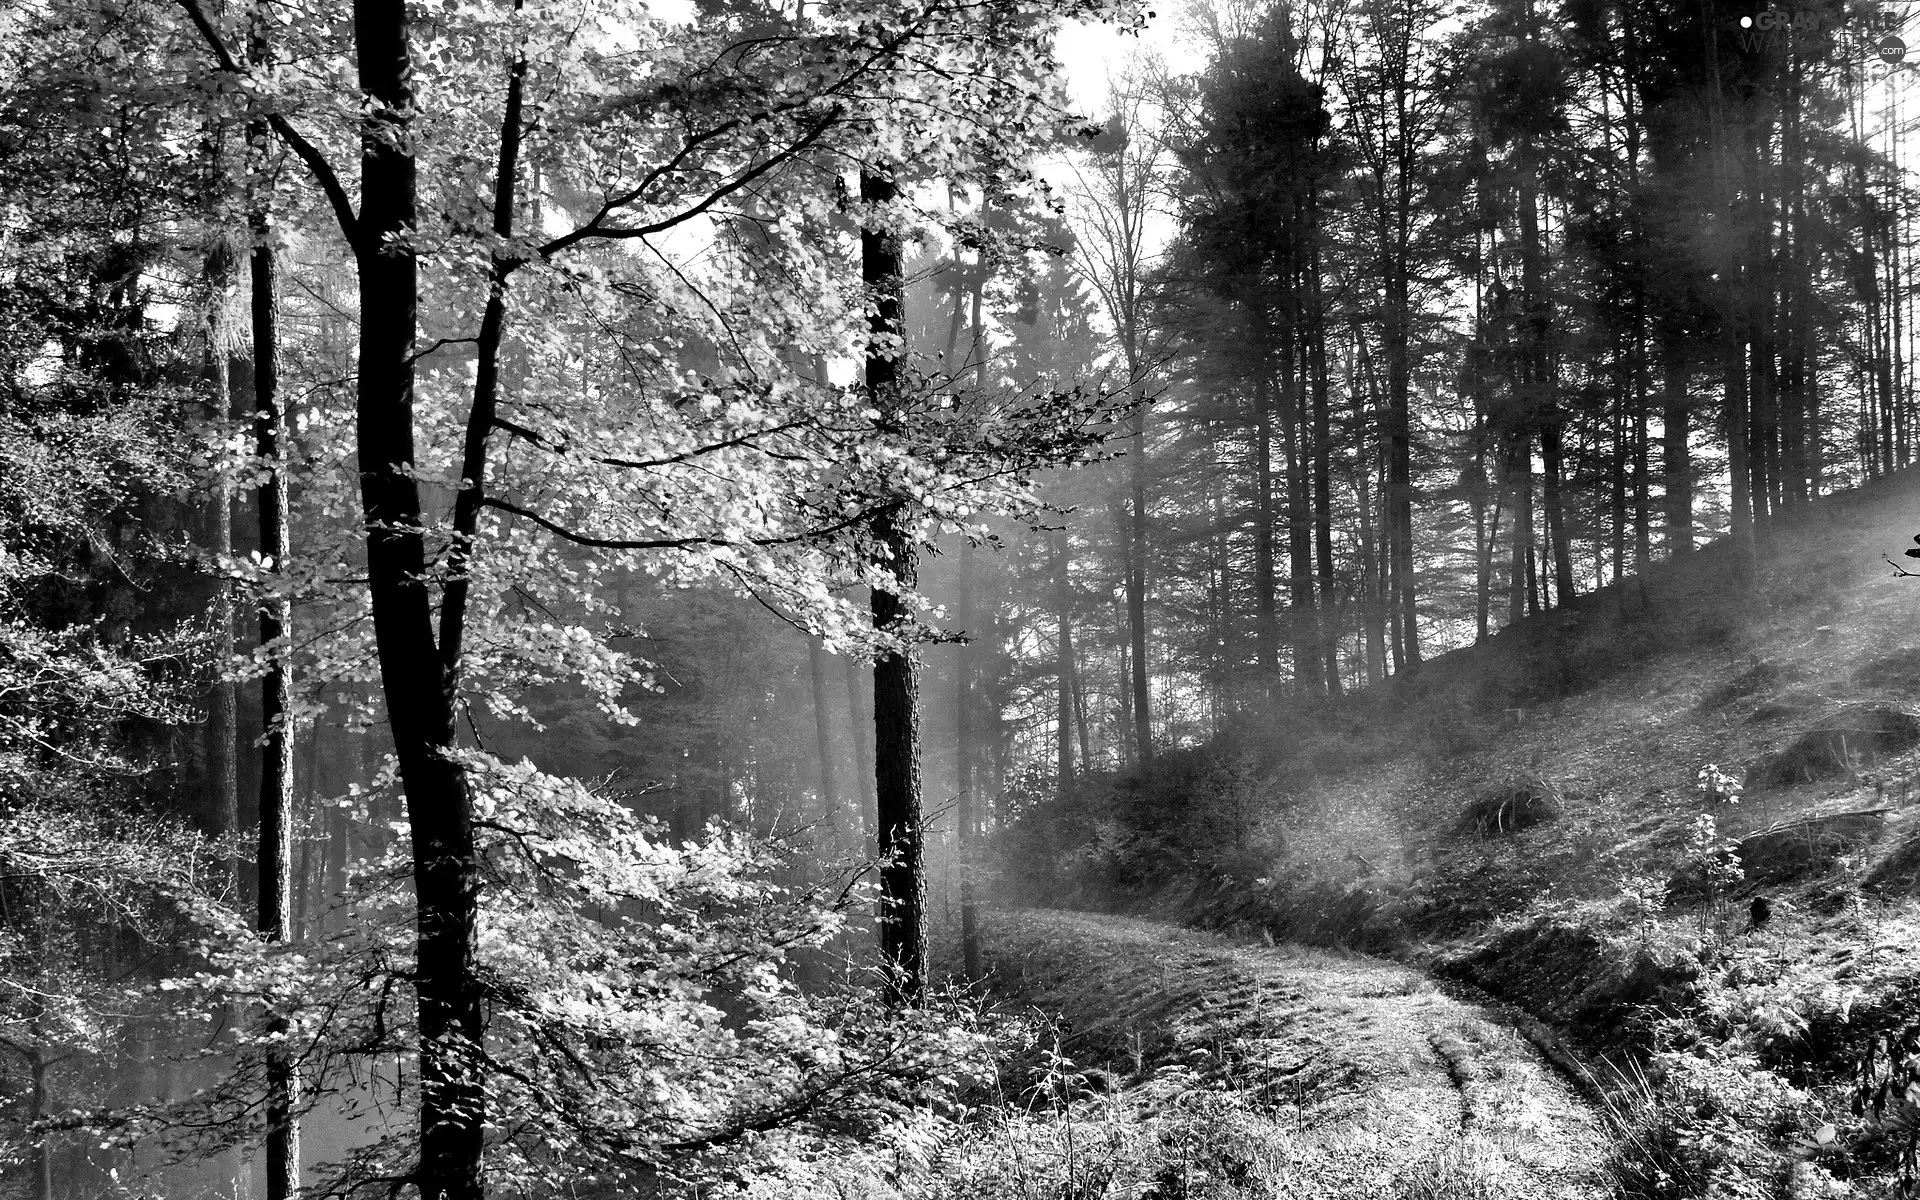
point(1344, 1075)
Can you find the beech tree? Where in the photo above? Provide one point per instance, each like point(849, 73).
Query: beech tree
point(553, 195)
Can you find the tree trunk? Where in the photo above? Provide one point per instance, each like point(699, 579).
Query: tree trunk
point(1137, 587)
point(896, 697)
point(1399, 490)
point(965, 755)
point(861, 722)
point(1322, 463)
point(38, 1105)
point(1304, 636)
point(1520, 480)
point(1266, 615)
point(845, 831)
point(418, 701)
point(1543, 380)
point(276, 694)
point(223, 732)
point(1063, 669)
point(1732, 343)
point(1676, 462)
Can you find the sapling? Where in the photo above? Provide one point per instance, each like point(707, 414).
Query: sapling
point(1719, 863)
point(1642, 897)
point(1716, 785)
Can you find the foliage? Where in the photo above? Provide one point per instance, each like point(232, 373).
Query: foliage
point(645, 1016)
point(1887, 1087)
point(1717, 786)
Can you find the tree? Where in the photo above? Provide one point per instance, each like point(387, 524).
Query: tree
point(1114, 198)
point(744, 471)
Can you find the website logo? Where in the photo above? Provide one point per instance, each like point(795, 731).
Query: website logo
point(1774, 29)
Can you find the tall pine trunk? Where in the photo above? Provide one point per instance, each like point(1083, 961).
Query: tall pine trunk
point(1266, 614)
point(1136, 584)
point(1676, 461)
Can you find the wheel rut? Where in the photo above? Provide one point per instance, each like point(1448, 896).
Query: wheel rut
point(1351, 1076)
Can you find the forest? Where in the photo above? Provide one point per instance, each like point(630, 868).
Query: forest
point(571, 567)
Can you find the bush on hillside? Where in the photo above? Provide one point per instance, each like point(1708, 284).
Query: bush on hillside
point(1191, 815)
point(1858, 735)
point(1509, 808)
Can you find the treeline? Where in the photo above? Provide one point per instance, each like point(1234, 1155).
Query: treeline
point(1454, 318)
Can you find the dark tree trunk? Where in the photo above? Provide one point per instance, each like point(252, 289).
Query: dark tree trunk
point(1543, 379)
point(1520, 480)
point(276, 693)
point(419, 703)
point(1322, 465)
point(38, 1105)
point(1266, 614)
point(896, 697)
point(1732, 325)
point(1676, 463)
point(223, 715)
point(1307, 676)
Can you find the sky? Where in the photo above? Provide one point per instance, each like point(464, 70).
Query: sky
point(1091, 53)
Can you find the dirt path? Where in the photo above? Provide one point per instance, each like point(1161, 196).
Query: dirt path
point(1344, 1076)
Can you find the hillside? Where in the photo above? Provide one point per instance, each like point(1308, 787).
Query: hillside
point(1531, 817)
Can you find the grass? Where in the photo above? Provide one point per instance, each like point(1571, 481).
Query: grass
point(1743, 1037)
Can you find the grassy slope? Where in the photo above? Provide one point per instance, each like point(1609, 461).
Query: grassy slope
point(1609, 714)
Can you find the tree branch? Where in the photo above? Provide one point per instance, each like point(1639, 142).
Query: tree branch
point(306, 151)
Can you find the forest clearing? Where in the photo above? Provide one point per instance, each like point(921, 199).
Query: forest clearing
point(958, 598)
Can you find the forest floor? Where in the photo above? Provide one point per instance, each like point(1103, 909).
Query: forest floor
point(1178, 1063)
point(1528, 817)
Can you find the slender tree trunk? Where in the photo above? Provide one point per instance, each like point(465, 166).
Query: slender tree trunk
point(896, 686)
point(1307, 676)
point(1520, 480)
point(1266, 614)
point(1732, 335)
point(861, 722)
point(276, 708)
point(223, 729)
point(846, 832)
point(1400, 473)
point(1676, 456)
point(965, 755)
point(1063, 669)
point(38, 1105)
point(1544, 380)
point(1137, 587)
point(1266, 605)
point(1373, 610)
point(1760, 333)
